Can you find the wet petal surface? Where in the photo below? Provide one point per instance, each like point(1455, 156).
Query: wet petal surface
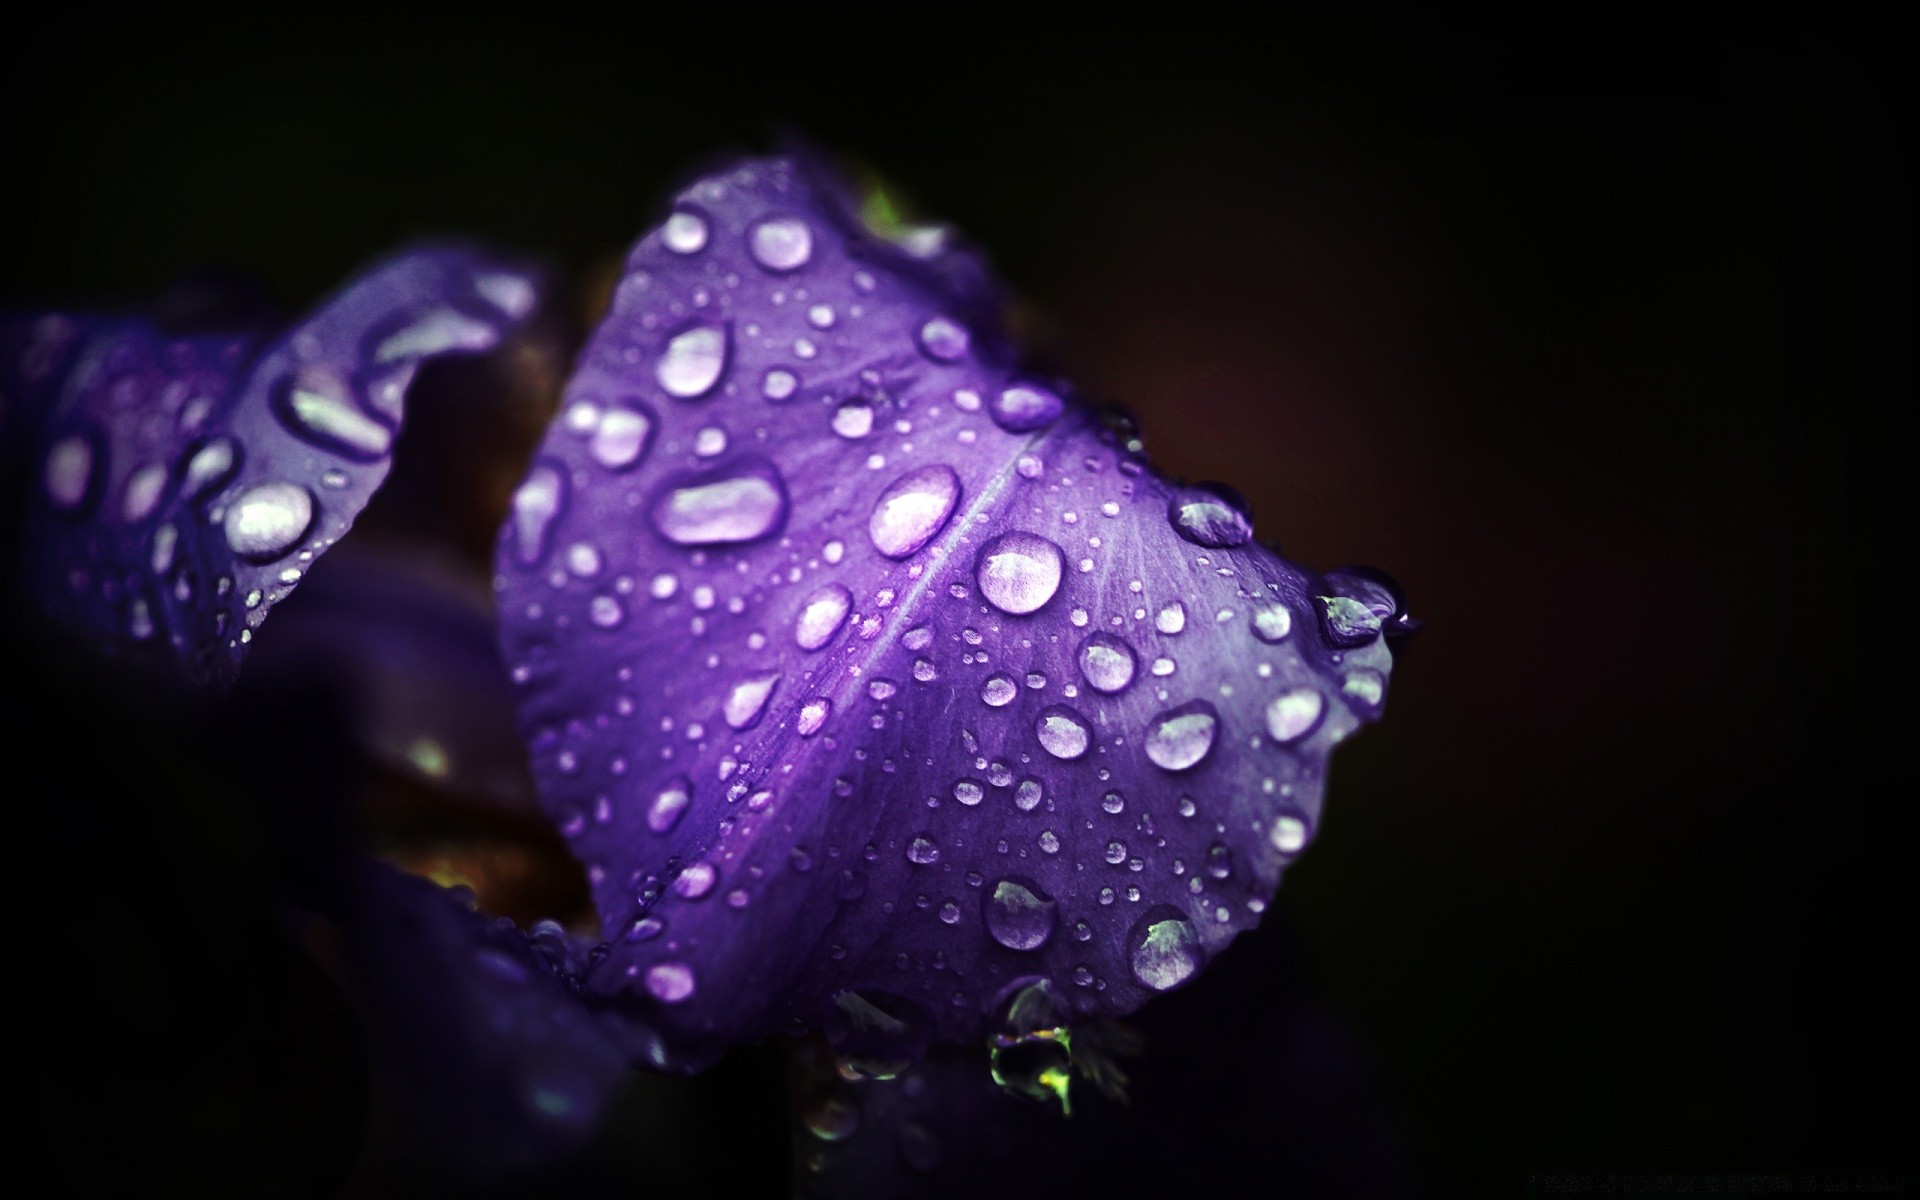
point(184, 484)
point(942, 687)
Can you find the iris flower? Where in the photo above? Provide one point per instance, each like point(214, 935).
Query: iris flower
point(890, 699)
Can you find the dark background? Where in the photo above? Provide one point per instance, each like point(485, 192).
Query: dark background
point(1599, 340)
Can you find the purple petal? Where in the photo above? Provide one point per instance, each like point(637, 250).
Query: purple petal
point(183, 485)
point(896, 678)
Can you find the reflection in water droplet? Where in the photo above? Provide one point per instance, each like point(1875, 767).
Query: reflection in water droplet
point(740, 503)
point(1166, 951)
point(1206, 518)
point(693, 362)
point(1063, 732)
point(1180, 737)
point(747, 700)
point(1018, 572)
point(821, 616)
point(1107, 662)
point(1019, 915)
point(781, 243)
point(268, 520)
point(535, 504)
point(913, 509)
point(1293, 714)
point(669, 804)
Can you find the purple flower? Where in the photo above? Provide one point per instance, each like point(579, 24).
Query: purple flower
point(876, 677)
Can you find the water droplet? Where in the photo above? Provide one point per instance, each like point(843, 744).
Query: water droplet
point(1018, 572)
point(1180, 737)
point(1365, 686)
point(999, 690)
point(1116, 852)
point(268, 520)
point(913, 509)
point(821, 616)
point(1063, 732)
point(1219, 861)
point(1293, 714)
point(969, 792)
point(535, 504)
point(943, 339)
point(685, 232)
point(781, 243)
point(923, 850)
point(1208, 518)
point(925, 671)
point(853, 420)
point(318, 409)
point(1108, 662)
point(670, 982)
point(621, 436)
point(695, 881)
point(813, 716)
point(583, 561)
point(211, 468)
point(1025, 407)
point(778, 385)
point(739, 503)
point(1166, 951)
point(669, 804)
point(1347, 623)
point(69, 471)
point(143, 493)
point(1272, 621)
point(693, 362)
point(747, 700)
point(1113, 802)
point(1288, 835)
point(606, 612)
point(1019, 915)
point(436, 333)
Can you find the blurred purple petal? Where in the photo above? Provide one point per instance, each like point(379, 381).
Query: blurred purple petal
point(872, 676)
point(181, 485)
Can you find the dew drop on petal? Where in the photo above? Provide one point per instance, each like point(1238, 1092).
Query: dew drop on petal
point(999, 690)
point(1288, 835)
point(1165, 950)
point(1018, 572)
point(747, 700)
point(318, 410)
point(1027, 795)
point(211, 466)
point(1063, 732)
point(923, 850)
point(781, 243)
point(1107, 662)
point(535, 504)
point(1272, 621)
point(1293, 714)
point(740, 503)
point(1180, 737)
point(821, 616)
point(969, 792)
point(669, 804)
point(1019, 915)
point(1171, 619)
point(621, 436)
point(1206, 518)
point(853, 419)
point(69, 471)
point(1025, 407)
point(913, 509)
point(268, 520)
point(813, 716)
point(943, 339)
point(142, 495)
point(693, 362)
point(685, 232)
point(670, 982)
point(778, 385)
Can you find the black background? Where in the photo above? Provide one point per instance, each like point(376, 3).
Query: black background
point(1598, 339)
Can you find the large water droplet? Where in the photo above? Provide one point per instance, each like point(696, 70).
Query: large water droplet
point(1171, 619)
point(747, 700)
point(436, 333)
point(669, 804)
point(1272, 621)
point(1293, 714)
point(821, 616)
point(535, 504)
point(1108, 662)
point(1025, 407)
point(781, 243)
point(318, 408)
point(1063, 732)
point(621, 436)
point(1018, 572)
point(913, 509)
point(1347, 623)
point(268, 520)
point(1207, 518)
point(1288, 835)
point(143, 493)
point(1180, 737)
point(693, 362)
point(69, 471)
point(1019, 915)
point(742, 502)
point(999, 690)
point(853, 419)
point(1366, 687)
point(1166, 951)
point(685, 232)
